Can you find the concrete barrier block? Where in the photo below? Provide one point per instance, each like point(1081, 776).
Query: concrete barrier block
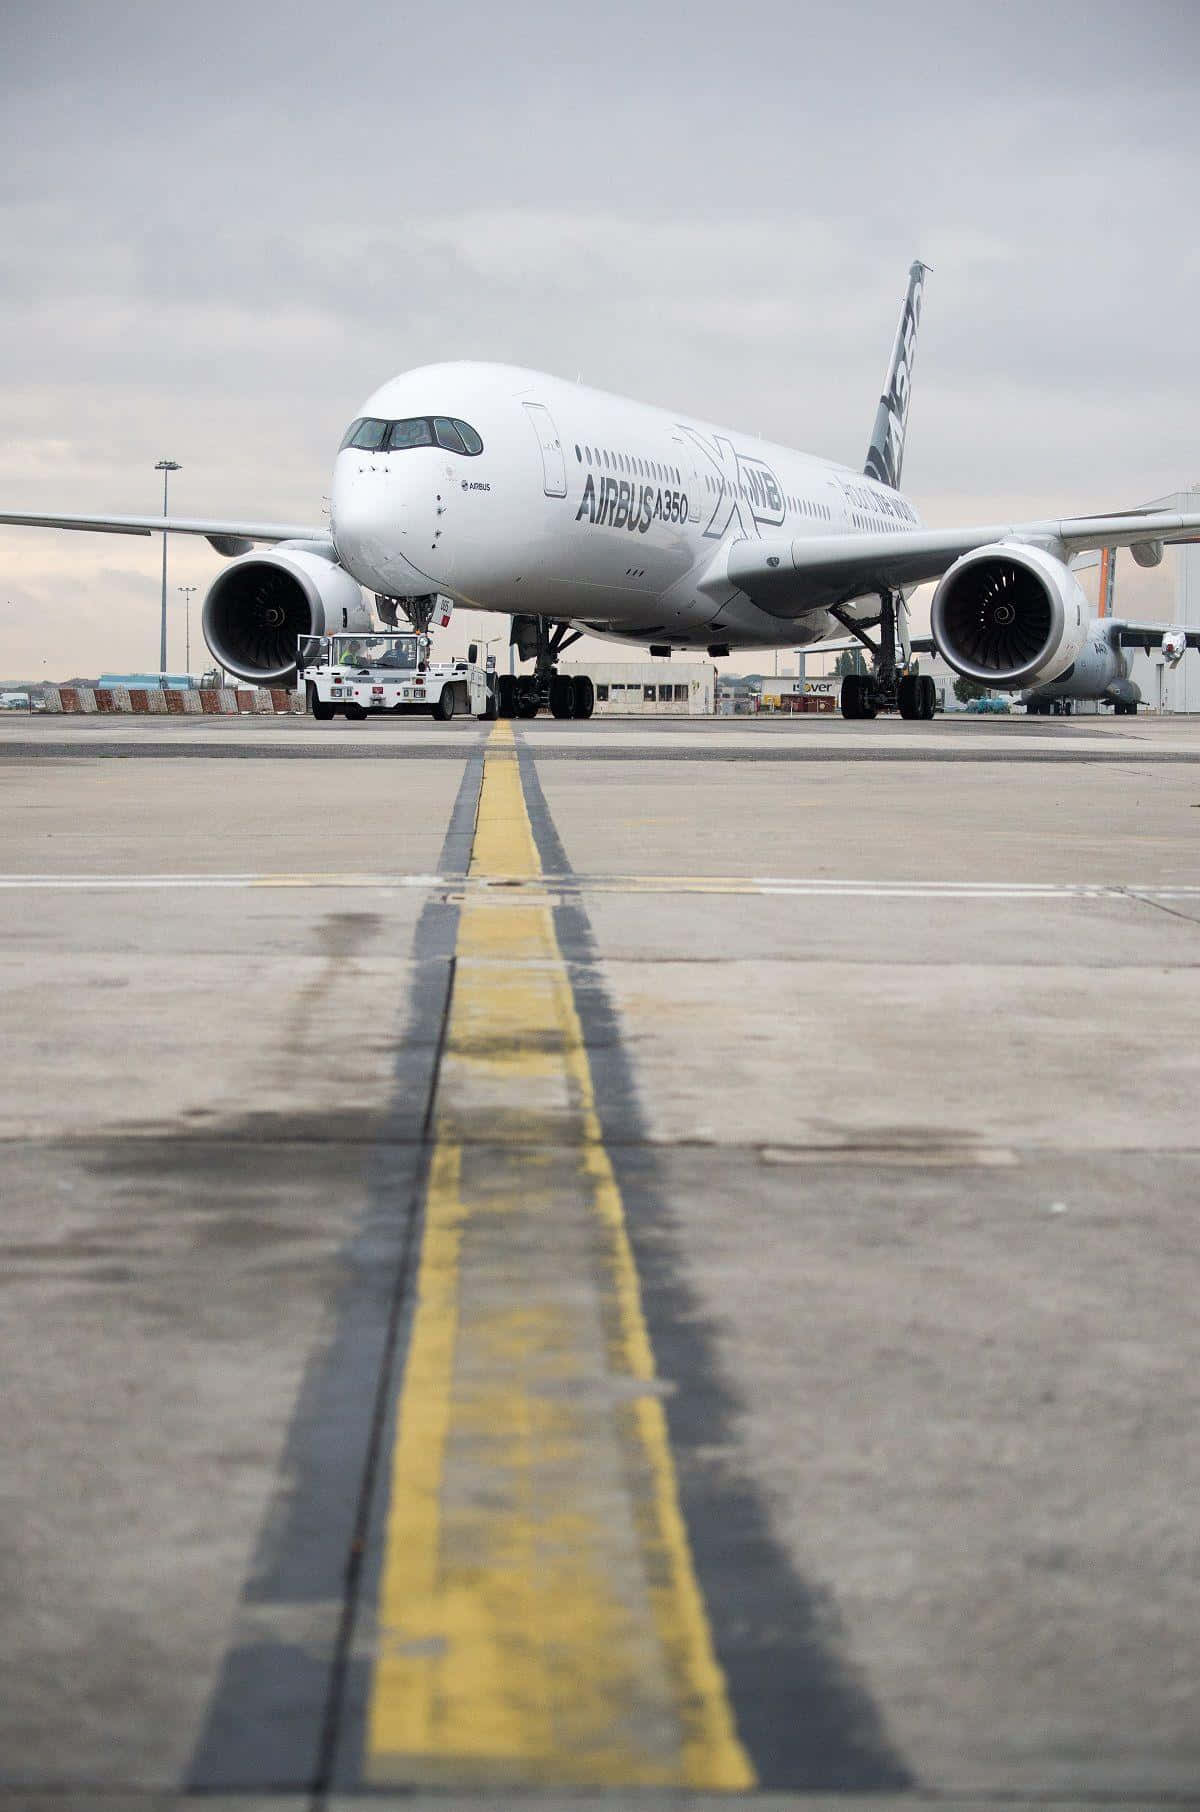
point(210, 701)
point(281, 699)
point(227, 700)
point(172, 702)
point(52, 698)
point(156, 701)
point(85, 700)
point(263, 700)
point(245, 698)
point(191, 702)
point(138, 700)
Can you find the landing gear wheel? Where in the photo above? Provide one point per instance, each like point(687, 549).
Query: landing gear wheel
point(527, 698)
point(507, 693)
point(583, 695)
point(852, 695)
point(908, 696)
point(562, 695)
point(926, 698)
point(443, 711)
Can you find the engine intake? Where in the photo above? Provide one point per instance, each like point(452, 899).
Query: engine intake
point(1009, 616)
point(262, 604)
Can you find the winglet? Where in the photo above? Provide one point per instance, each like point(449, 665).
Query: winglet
point(885, 455)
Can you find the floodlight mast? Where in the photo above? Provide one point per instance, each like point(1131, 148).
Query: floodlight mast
point(166, 467)
point(187, 591)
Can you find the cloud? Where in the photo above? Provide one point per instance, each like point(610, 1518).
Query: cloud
point(224, 228)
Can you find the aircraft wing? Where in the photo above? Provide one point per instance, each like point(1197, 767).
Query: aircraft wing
point(792, 578)
point(226, 537)
point(1149, 635)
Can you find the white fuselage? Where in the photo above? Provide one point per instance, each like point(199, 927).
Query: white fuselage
point(1099, 671)
point(586, 507)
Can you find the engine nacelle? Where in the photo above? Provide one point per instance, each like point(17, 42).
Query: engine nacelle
point(1009, 615)
point(262, 604)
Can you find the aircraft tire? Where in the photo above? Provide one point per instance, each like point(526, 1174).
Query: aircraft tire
point(443, 711)
point(528, 702)
point(852, 695)
point(583, 695)
point(926, 698)
point(908, 696)
point(506, 692)
point(562, 695)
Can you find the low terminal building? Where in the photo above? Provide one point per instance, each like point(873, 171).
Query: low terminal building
point(651, 688)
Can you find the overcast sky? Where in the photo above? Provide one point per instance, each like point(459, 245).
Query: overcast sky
point(221, 228)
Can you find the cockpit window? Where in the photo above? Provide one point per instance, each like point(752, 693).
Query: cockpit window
point(448, 435)
point(374, 436)
point(415, 433)
point(367, 433)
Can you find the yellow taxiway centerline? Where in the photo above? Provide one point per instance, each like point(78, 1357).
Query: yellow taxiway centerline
point(539, 1616)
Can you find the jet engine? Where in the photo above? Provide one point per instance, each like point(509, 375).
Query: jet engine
point(264, 602)
point(1009, 615)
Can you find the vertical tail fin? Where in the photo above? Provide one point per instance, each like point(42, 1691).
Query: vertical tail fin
point(885, 455)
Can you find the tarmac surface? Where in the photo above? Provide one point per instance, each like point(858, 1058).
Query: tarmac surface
point(604, 1264)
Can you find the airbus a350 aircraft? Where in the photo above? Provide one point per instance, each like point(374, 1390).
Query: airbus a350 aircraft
point(575, 511)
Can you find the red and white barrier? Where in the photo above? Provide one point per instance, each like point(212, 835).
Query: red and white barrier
point(174, 701)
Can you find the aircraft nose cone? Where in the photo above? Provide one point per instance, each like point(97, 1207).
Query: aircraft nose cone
point(379, 527)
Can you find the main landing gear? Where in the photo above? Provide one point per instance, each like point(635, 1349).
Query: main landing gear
point(889, 686)
point(542, 640)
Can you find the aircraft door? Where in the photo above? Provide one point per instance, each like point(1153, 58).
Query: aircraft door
point(686, 456)
point(554, 465)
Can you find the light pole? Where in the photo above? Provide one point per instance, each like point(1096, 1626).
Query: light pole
point(166, 467)
point(187, 591)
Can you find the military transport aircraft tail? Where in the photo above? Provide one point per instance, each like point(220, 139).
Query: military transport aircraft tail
point(885, 455)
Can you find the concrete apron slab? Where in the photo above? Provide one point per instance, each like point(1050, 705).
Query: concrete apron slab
point(202, 1223)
